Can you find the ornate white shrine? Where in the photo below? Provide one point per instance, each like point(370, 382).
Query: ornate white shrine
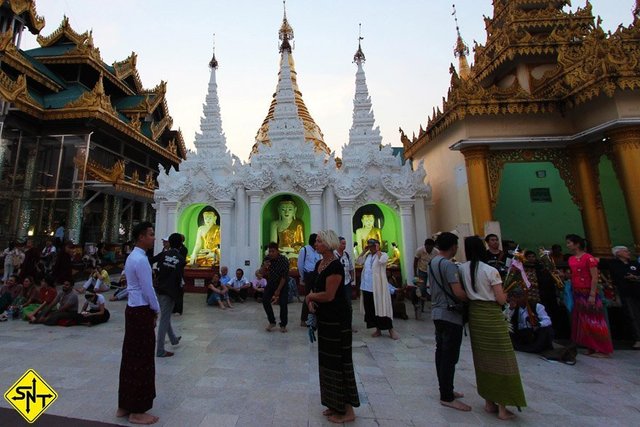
point(290, 161)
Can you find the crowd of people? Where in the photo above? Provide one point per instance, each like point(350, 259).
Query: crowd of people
point(511, 300)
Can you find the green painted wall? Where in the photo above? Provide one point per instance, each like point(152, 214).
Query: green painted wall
point(534, 224)
point(614, 205)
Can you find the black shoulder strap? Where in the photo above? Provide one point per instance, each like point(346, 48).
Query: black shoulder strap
point(440, 285)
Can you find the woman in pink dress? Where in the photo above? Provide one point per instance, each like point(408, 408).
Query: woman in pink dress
point(588, 324)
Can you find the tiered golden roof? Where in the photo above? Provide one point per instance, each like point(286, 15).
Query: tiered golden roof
point(568, 56)
point(312, 131)
point(26, 8)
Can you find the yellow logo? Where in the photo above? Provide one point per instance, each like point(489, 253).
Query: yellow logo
point(31, 396)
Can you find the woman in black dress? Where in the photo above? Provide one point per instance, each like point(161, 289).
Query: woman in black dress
point(338, 390)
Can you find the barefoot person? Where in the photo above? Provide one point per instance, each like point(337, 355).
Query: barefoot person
point(446, 291)
point(137, 387)
point(497, 374)
point(376, 299)
point(338, 390)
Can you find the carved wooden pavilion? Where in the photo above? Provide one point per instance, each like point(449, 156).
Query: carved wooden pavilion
point(82, 141)
point(542, 132)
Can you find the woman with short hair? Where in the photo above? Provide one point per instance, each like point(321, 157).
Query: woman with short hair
point(338, 390)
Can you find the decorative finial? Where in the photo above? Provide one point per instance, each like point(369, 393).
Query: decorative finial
point(286, 32)
point(359, 58)
point(214, 62)
point(461, 48)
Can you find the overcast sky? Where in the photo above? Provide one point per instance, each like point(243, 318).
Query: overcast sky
point(408, 45)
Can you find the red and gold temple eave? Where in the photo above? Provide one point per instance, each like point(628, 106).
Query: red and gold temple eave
point(34, 22)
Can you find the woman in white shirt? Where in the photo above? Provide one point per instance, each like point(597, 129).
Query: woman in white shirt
point(93, 311)
point(497, 374)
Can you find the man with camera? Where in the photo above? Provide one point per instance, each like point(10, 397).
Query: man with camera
point(447, 317)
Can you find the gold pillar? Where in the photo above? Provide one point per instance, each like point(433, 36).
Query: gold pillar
point(626, 150)
point(594, 218)
point(479, 191)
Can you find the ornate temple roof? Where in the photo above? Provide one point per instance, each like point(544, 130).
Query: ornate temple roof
point(26, 9)
point(34, 81)
point(312, 132)
point(567, 56)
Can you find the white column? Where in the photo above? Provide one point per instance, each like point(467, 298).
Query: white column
point(161, 225)
point(422, 231)
point(255, 200)
point(224, 207)
point(242, 219)
point(346, 210)
point(408, 237)
point(171, 224)
point(315, 204)
point(331, 212)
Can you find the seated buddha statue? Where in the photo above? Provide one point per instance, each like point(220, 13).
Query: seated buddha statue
point(206, 250)
point(367, 231)
point(288, 231)
point(394, 256)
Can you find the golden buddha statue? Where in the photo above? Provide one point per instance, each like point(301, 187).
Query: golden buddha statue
point(206, 251)
point(367, 231)
point(288, 231)
point(394, 256)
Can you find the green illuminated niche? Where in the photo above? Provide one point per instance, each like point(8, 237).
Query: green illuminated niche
point(295, 237)
point(385, 219)
point(189, 221)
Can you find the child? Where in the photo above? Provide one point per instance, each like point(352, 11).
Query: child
point(217, 293)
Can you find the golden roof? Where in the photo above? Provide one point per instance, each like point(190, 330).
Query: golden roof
point(312, 131)
point(34, 22)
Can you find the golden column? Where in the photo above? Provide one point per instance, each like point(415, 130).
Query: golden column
point(626, 151)
point(475, 159)
point(594, 218)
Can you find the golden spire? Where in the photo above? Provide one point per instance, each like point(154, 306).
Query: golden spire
point(461, 51)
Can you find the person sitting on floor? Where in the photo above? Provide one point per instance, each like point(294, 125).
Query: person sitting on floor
point(9, 292)
point(93, 311)
point(532, 331)
point(30, 296)
point(48, 293)
point(259, 283)
point(239, 286)
point(95, 283)
point(217, 293)
point(64, 307)
point(121, 292)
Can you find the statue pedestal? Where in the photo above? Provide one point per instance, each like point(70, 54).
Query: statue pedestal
point(197, 279)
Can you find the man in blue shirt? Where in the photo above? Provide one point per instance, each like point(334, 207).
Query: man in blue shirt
point(307, 259)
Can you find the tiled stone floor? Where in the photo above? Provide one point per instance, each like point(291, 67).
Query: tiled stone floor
point(228, 371)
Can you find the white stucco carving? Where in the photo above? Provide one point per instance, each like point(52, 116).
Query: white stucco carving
point(370, 172)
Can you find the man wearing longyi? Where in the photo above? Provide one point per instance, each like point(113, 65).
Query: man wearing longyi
point(137, 387)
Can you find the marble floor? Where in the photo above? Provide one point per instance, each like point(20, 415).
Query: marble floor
point(228, 371)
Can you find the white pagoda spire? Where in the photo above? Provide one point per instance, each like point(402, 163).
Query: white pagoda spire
point(364, 134)
point(211, 142)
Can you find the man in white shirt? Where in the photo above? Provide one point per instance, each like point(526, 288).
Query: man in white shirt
point(137, 388)
point(307, 259)
point(48, 254)
point(239, 286)
point(532, 331)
